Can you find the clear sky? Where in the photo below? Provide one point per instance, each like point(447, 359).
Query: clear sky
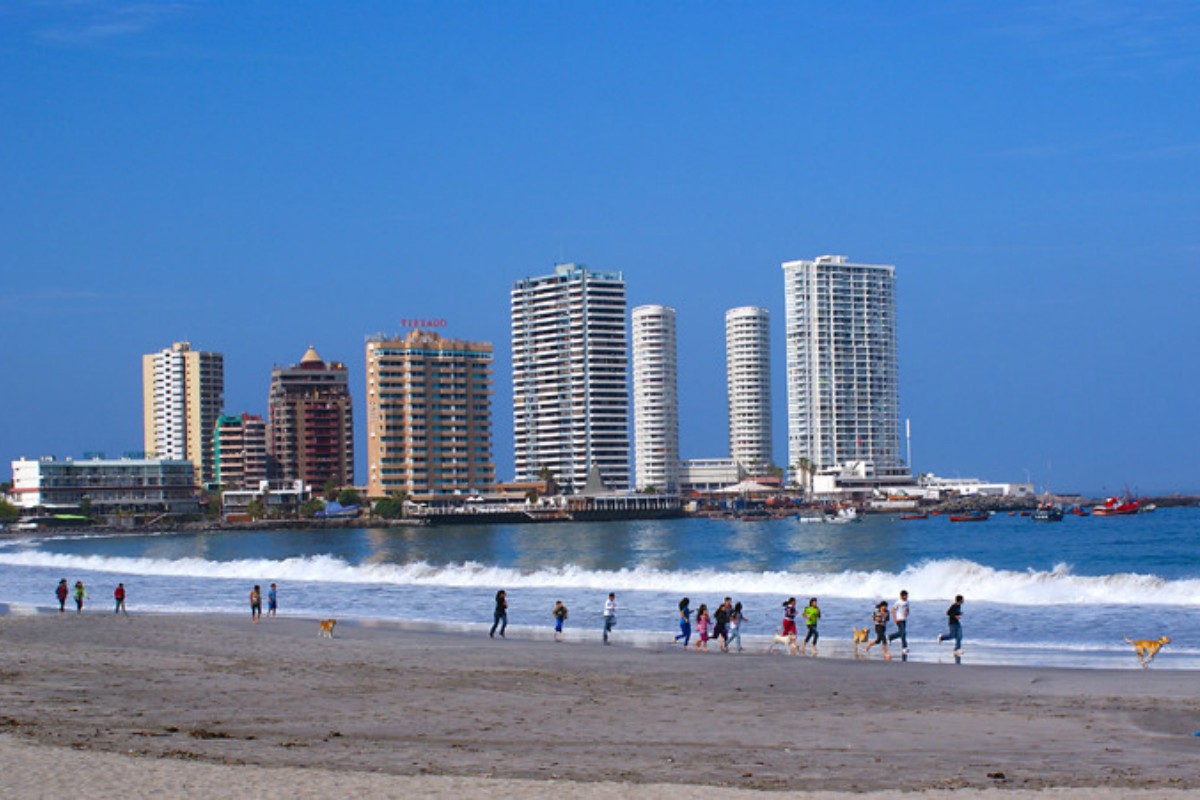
point(258, 177)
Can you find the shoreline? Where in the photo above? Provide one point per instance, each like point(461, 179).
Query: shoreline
point(174, 689)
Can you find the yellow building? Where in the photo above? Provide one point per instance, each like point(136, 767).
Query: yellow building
point(183, 392)
point(428, 415)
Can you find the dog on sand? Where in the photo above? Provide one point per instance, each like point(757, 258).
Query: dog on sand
point(788, 642)
point(1147, 649)
point(326, 628)
point(860, 638)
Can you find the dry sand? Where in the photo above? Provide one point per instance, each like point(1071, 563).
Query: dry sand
point(101, 706)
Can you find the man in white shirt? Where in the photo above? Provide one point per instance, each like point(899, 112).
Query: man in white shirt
point(900, 617)
point(610, 614)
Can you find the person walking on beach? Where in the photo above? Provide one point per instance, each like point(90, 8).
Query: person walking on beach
point(736, 619)
point(721, 629)
point(900, 615)
point(560, 616)
point(789, 617)
point(500, 615)
point(255, 604)
point(702, 620)
point(62, 592)
point(119, 597)
point(80, 593)
point(812, 613)
point(272, 601)
point(880, 618)
point(954, 617)
point(685, 622)
point(610, 614)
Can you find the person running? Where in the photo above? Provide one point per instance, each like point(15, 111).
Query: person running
point(62, 592)
point(736, 618)
point(610, 614)
point(560, 616)
point(119, 597)
point(255, 604)
point(272, 601)
point(900, 615)
point(685, 622)
point(954, 617)
point(721, 629)
point(702, 621)
point(789, 616)
point(880, 618)
point(80, 593)
point(812, 613)
point(499, 616)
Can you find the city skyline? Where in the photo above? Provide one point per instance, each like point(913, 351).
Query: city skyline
point(1029, 170)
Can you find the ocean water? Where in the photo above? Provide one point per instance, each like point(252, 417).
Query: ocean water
point(1058, 594)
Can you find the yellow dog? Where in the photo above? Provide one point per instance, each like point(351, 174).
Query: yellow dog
point(1147, 649)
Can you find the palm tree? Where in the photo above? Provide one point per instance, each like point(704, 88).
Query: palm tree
point(807, 470)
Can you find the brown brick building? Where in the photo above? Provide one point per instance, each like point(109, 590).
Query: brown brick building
point(311, 427)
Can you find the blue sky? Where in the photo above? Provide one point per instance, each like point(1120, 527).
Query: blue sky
point(256, 177)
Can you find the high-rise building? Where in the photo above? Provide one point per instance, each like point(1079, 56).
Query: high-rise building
point(311, 422)
point(183, 392)
point(570, 383)
point(240, 445)
point(748, 378)
point(428, 415)
point(655, 399)
point(842, 387)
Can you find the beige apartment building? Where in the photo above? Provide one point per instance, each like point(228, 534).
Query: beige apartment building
point(183, 392)
point(428, 415)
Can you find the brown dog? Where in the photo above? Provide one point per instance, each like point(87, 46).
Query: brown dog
point(860, 638)
point(1147, 649)
point(326, 629)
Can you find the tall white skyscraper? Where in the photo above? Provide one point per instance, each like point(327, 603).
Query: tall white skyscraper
point(842, 387)
point(570, 383)
point(655, 399)
point(183, 393)
point(748, 375)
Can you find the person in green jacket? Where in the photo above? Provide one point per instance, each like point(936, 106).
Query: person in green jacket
point(812, 613)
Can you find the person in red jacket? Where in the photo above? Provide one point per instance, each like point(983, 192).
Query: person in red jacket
point(119, 596)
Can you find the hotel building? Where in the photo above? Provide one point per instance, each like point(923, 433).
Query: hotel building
point(428, 416)
point(748, 376)
point(655, 399)
point(311, 422)
point(106, 486)
point(183, 392)
point(570, 382)
point(240, 444)
point(842, 387)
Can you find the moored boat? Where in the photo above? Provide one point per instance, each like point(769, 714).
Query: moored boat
point(977, 516)
point(1116, 507)
point(1048, 514)
point(914, 516)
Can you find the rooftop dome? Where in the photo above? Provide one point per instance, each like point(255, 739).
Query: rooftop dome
point(311, 357)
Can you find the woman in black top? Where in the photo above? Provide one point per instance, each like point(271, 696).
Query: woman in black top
point(500, 617)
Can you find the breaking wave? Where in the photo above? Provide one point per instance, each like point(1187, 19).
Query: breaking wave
point(935, 579)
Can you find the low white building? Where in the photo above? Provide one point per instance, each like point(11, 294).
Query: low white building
point(707, 474)
point(278, 499)
point(971, 487)
point(105, 486)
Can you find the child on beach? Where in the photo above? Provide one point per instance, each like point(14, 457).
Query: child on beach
point(560, 616)
point(880, 617)
point(685, 622)
point(62, 592)
point(954, 617)
point(736, 618)
point(811, 614)
point(272, 601)
point(789, 616)
point(610, 614)
point(702, 628)
point(80, 593)
point(255, 604)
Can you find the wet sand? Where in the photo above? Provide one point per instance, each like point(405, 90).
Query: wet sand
point(209, 703)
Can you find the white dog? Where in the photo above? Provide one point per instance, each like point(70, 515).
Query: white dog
point(788, 642)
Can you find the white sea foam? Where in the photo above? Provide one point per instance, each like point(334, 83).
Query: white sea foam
point(930, 580)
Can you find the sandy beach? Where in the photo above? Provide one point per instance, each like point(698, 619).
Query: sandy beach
point(184, 705)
